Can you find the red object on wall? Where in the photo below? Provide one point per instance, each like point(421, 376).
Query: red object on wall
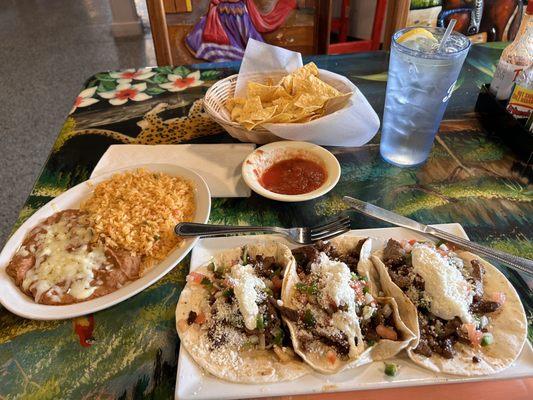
point(341, 24)
point(215, 33)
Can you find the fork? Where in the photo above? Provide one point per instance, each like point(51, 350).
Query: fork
point(303, 235)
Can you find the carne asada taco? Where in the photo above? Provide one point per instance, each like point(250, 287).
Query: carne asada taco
point(468, 317)
point(228, 320)
point(336, 322)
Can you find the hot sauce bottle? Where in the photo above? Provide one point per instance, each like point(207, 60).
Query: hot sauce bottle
point(515, 58)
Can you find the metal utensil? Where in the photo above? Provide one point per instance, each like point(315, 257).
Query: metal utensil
point(304, 235)
point(518, 263)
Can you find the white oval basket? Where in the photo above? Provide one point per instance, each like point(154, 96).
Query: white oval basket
point(353, 125)
point(215, 106)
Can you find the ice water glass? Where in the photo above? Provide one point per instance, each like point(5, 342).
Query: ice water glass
point(420, 83)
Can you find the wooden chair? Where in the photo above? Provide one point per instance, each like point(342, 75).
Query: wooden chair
point(341, 25)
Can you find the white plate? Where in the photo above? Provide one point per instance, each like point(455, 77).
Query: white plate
point(193, 383)
point(18, 303)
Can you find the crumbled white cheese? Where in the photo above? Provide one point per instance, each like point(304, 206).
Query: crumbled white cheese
point(334, 282)
point(449, 293)
point(334, 285)
point(246, 286)
point(368, 311)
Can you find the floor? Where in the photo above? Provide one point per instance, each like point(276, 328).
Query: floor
point(47, 49)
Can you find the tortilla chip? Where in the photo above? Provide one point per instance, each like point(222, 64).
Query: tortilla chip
point(298, 98)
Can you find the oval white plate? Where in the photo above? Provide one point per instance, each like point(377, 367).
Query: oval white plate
point(18, 303)
point(262, 157)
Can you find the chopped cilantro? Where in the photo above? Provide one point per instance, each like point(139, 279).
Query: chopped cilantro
point(308, 289)
point(228, 292)
point(371, 342)
point(260, 322)
point(366, 289)
point(244, 254)
point(207, 282)
point(211, 267)
point(309, 319)
point(487, 339)
point(278, 337)
point(391, 369)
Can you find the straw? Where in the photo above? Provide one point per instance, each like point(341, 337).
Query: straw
point(446, 35)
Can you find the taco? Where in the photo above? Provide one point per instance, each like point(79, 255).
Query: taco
point(336, 322)
point(228, 319)
point(467, 316)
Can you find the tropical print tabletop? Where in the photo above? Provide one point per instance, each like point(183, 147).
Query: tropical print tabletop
point(131, 350)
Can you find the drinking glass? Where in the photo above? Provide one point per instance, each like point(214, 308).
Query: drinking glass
point(420, 83)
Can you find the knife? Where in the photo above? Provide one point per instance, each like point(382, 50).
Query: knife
point(518, 263)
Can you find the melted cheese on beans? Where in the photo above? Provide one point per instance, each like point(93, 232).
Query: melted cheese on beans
point(63, 261)
point(448, 291)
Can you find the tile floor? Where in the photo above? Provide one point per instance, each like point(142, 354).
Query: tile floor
point(47, 49)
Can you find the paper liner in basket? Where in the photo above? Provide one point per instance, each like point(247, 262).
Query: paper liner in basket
point(353, 125)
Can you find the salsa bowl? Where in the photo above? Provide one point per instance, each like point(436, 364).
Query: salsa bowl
point(262, 159)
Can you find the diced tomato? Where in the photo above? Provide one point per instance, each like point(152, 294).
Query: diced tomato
point(358, 286)
point(498, 297)
point(331, 357)
point(200, 318)
point(276, 282)
point(473, 334)
point(386, 333)
point(443, 253)
point(412, 242)
point(195, 277)
point(228, 283)
point(183, 325)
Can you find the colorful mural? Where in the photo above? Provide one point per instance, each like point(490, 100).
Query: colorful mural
point(222, 34)
point(130, 351)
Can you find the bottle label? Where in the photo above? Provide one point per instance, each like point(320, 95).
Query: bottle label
point(504, 78)
point(521, 102)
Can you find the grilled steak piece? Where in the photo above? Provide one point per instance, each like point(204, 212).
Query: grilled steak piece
point(352, 258)
point(264, 266)
point(305, 256)
point(423, 348)
point(394, 254)
point(339, 342)
point(485, 307)
point(478, 272)
point(191, 317)
point(446, 349)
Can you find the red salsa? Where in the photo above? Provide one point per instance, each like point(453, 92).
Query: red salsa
point(293, 176)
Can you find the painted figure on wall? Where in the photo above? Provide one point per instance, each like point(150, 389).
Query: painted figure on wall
point(222, 34)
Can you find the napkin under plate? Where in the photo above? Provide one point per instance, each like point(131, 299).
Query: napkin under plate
point(219, 164)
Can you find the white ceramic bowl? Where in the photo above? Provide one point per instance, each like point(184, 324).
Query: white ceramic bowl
point(262, 158)
point(12, 298)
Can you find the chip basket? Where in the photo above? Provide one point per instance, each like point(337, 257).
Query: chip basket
point(215, 106)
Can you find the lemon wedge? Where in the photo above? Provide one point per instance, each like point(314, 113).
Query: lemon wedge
point(417, 34)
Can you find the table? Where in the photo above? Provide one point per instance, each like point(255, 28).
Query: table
point(130, 350)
